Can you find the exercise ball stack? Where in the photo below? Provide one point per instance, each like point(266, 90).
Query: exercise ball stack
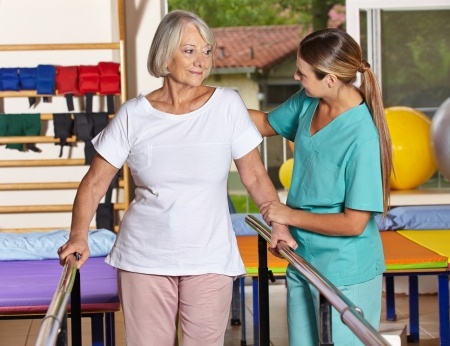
point(413, 158)
point(440, 138)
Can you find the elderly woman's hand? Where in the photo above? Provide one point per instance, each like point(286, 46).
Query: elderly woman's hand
point(75, 245)
point(281, 233)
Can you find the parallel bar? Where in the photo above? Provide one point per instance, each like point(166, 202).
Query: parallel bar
point(350, 314)
point(50, 325)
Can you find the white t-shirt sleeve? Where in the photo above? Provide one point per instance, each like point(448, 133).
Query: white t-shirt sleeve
point(112, 142)
point(245, 135)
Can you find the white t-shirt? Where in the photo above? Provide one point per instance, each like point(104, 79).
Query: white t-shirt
point(179, 222)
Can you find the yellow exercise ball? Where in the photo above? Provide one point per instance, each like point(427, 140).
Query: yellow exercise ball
point(412, 153)
point(285, 173)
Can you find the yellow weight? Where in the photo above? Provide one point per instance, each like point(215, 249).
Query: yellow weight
point(413, 159)
point(285, 173)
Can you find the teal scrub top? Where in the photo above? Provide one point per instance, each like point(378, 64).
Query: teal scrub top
point(337, 167)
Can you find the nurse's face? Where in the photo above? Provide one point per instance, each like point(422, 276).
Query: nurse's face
point(312, 85)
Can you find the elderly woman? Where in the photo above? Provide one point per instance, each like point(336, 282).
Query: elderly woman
point(176, 251)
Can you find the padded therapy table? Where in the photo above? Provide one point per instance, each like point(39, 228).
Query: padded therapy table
point(403, 257)
point(27, 288)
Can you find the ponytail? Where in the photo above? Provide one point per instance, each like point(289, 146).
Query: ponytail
point(371, 91)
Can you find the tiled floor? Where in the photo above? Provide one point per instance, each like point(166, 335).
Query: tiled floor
point(24, 332)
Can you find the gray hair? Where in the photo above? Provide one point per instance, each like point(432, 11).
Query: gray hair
point(167, 40)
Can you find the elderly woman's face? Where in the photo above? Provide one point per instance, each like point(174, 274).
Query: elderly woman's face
point(192, 60)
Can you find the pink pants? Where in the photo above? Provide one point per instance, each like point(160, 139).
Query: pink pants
point(155, 305)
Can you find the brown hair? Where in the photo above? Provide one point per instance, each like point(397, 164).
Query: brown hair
point(333, 51)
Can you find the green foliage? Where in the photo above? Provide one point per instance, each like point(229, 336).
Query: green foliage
point(226, 13)
point(416, 57)
point(244, 204)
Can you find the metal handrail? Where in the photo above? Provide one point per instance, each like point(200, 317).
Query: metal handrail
point(51, 323)
point(351, 315)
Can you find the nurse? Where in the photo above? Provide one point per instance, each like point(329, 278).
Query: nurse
point(340, 181)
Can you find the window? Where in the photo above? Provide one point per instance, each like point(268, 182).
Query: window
point(277, 94)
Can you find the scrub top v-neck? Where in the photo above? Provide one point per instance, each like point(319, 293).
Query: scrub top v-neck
point(336, 167)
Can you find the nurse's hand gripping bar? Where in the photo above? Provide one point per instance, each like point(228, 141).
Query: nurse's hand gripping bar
point(351, 315)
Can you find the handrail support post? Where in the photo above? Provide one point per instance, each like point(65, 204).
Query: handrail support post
point(75, 311)
point(325, 322)
point(263, 293)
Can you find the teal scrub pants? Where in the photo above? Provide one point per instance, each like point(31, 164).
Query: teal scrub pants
point(303, 304)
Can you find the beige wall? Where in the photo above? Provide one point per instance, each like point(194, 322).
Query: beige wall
point(247, 88)
point(56, 21)
point(81, 21)
point(285, 71)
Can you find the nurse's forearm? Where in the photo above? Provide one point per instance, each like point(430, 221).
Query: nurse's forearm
point(349, 223)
